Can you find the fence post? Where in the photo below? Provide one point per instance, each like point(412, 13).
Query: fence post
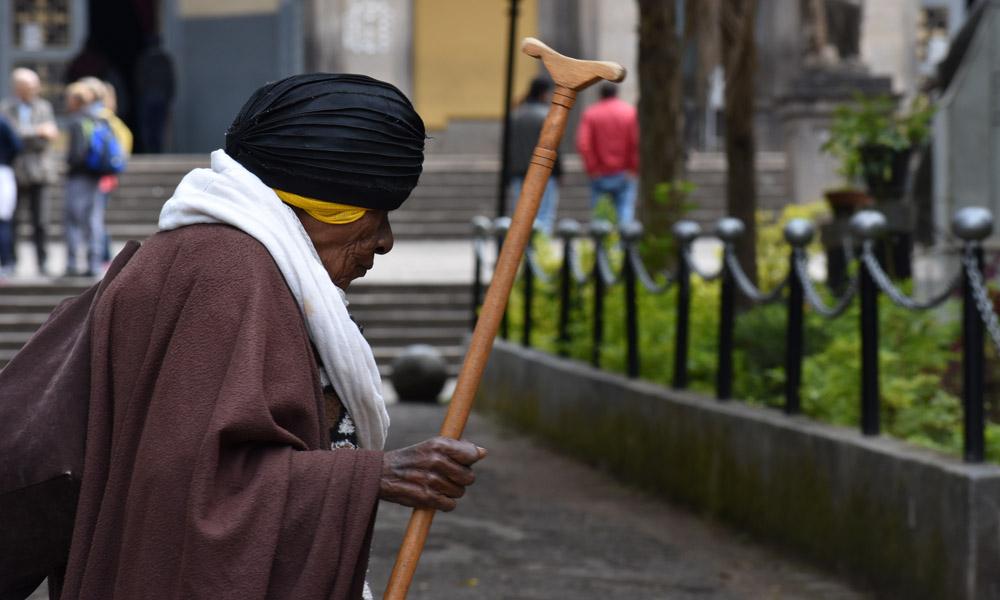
point(599, 230)
point(631, 233)
point(728, 229)
point(567, 230)
point(481, 228)
point(798, 233)
point(869, 225)
point(685, 232)
point(500, 227)
point(529, 291)
point(972, 225)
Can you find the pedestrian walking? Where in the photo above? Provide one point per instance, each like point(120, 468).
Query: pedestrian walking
point(525, 125)
point(608, 142)
point(33, 120)
point(10, 146)
point(81, 196)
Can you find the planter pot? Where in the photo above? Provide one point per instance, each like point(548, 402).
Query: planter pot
point(846, 202)
point(885, 170)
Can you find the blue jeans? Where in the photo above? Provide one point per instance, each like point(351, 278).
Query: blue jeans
point(82, 211)
point(546, 217)
point(622, 189)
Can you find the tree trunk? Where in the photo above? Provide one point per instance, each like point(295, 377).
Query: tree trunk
point(739, 52)
point(661, 147)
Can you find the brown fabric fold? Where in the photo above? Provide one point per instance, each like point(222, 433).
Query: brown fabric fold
point(207, 473)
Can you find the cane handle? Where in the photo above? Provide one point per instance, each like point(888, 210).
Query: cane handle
point(570, 72)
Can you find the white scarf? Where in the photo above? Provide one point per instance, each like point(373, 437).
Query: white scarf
point(229, 194)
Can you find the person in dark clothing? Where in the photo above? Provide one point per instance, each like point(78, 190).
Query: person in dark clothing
point(525, 125)
point(10, 146)
point(154, 84)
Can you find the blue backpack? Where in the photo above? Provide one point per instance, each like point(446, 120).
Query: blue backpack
point(104, 153)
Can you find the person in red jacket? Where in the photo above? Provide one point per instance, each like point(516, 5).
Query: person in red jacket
point(608, 141)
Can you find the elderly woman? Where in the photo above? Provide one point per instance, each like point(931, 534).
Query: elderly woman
point(236, 428)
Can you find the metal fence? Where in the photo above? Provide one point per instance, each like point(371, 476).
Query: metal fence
point(970, 225)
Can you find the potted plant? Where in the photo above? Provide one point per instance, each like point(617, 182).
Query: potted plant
point(874, 141)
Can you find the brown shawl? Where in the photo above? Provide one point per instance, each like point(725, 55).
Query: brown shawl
point(207, 473)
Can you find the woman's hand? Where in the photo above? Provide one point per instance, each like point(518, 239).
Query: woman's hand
point(431, 474)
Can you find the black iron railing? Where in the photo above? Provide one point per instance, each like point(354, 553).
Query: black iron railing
point(797, 289)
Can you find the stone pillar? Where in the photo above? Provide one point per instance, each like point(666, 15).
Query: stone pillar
point(806, 113)
point(888, 41)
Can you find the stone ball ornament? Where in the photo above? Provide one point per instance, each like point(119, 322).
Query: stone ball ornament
point(686, 231)
point(631, 232)
point(419, 374)
point(869, 224)
point(600, 228)
point(567, 228)
point(729, 229)
point(799, 232)
point(482, 225)
point(501, 225)
point(972, 224)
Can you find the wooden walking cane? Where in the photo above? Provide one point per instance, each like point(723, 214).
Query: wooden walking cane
point(570, 76)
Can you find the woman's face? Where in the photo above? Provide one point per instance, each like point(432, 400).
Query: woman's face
point(348, 251)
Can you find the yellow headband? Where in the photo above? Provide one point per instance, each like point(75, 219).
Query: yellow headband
point(327, 212)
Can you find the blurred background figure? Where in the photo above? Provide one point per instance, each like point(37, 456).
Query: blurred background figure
point(10, 145)
point(525, 125)
point(608, 143)
point(81, 184)
point(154, 82)
point(33, 120)
point(104, 108)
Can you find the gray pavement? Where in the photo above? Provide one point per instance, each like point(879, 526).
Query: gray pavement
point(538, 525)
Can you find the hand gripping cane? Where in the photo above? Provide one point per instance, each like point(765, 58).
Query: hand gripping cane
point(570, 76)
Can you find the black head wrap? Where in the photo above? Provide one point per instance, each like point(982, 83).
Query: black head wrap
point(348, 139)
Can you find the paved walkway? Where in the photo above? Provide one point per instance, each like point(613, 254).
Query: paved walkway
point(540, 526)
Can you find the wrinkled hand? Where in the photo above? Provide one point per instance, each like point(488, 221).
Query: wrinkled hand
point(431, 474)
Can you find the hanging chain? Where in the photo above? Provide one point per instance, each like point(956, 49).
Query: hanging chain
point(531, 258)
point(644, 277)
point(882, 280)
point(606, 272)
point(813, 297)
point(981, 295)
point(748, 288)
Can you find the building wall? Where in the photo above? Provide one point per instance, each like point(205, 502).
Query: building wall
point(223, 52)
point(459, 58)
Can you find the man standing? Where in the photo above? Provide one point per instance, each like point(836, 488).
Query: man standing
point(525, 125)
point(34, 123)
point(608, 141)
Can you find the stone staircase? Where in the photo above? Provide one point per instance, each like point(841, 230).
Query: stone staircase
point(452, 190)
point(393, 316)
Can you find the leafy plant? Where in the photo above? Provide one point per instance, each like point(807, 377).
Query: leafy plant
point(869, 122)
